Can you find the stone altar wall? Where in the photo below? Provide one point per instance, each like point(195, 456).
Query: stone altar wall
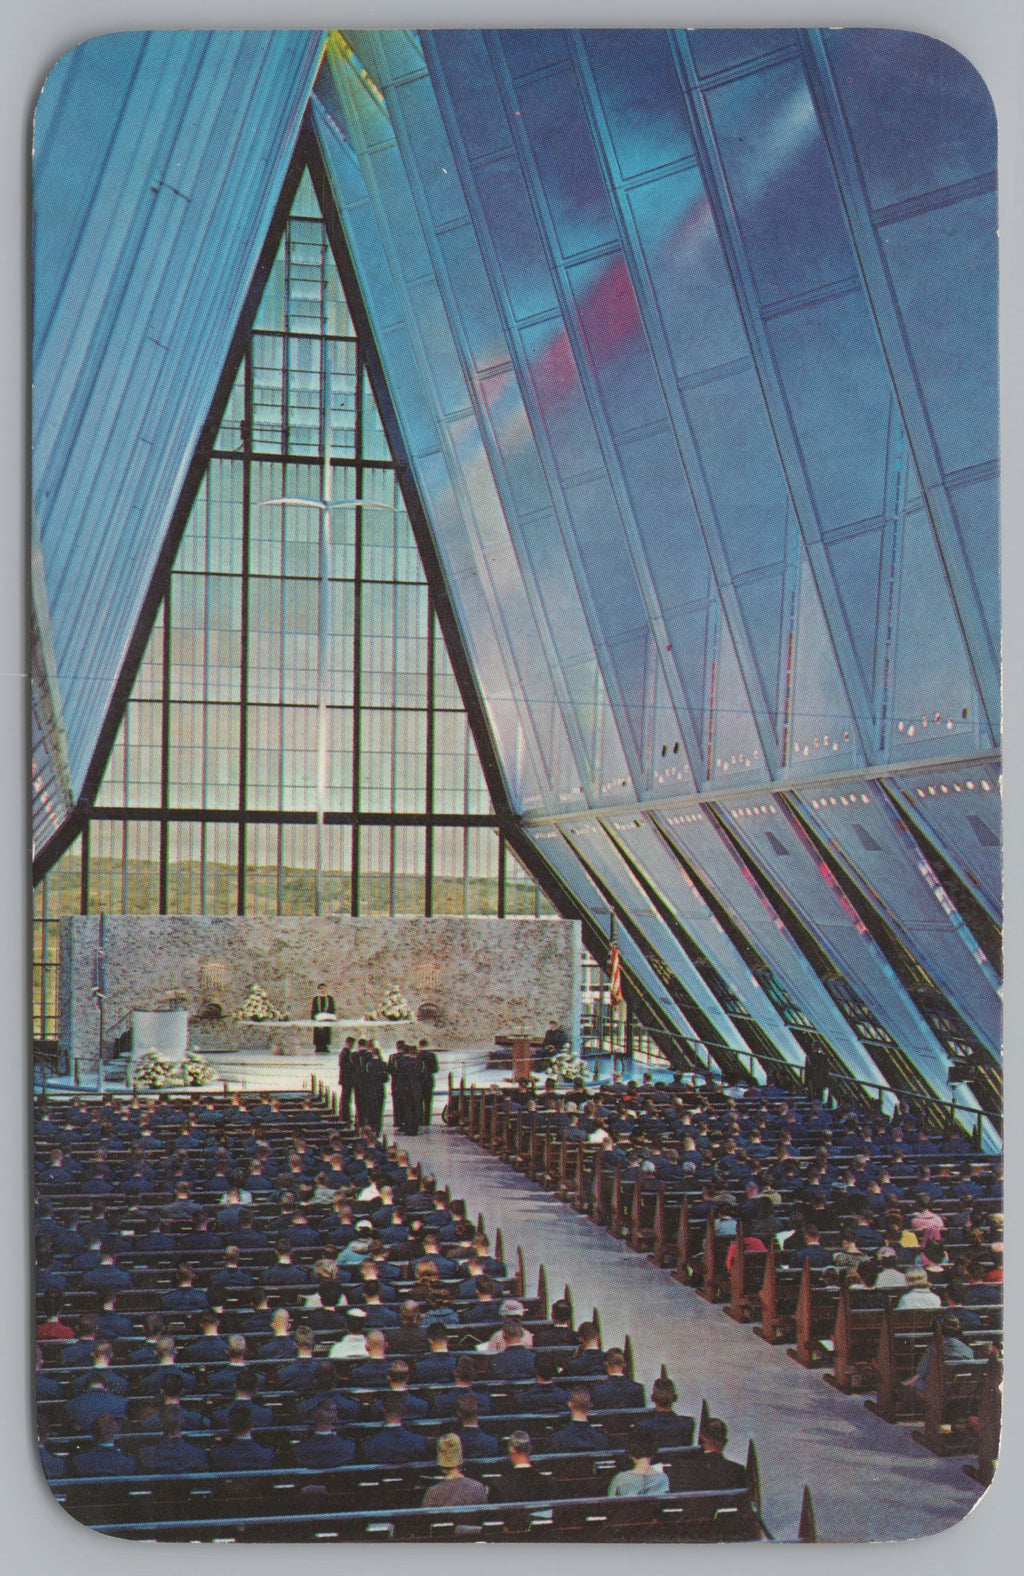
point(485, 976)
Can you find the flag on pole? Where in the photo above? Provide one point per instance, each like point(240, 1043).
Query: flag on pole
point(615, 976)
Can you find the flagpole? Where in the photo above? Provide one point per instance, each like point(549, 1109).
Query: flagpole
point(612, 1003)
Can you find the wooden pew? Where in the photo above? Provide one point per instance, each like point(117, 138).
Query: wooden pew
point(896, 1360)
point(952, 1400)
point(681, 1272)
point(815, 1321)
point(990, 1417)
point(778, 1307)
point(714, 1281)
point(856, 1350)
point(746, 1278)
point(688, 1517)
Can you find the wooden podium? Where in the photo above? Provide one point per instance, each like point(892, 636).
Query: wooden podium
point(524, 1053)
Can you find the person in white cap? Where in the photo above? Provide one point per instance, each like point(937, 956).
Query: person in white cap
point(918, 1293)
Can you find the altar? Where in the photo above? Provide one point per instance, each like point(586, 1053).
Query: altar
point(287, 1036)
point(163, 1031)
point(455, 978)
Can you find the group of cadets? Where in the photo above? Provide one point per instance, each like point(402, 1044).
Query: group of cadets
point(363, 1075)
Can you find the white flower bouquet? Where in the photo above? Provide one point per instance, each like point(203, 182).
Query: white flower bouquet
point(196, 1070)
point(392, 1009)
point(566, 1067)
point(153, 1071)
point(258, 1008)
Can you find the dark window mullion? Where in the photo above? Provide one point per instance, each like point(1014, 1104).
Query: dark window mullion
point(357, 642)
point(428, 866)
point(165, 748)
point(243, 676)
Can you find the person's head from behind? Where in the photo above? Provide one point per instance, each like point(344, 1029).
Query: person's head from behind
point(326, 1376)
point(561, 1313)
point(587, 1335)
point(106, 1428)
point(663, 1395)
point(173, 1388)
point(641, 1447)
point(580, 1403)
point(546, 1367)
point(325, 1417)
point(393, 1409)
point(512, 1332)
point(376, 1344)
point(467, 1410)
point(520, 1446)
point(240, 1419)
point(398, 1374)
point(615, 1360)
point(449, 1452)
point(170, 1422)
point(714, 1436)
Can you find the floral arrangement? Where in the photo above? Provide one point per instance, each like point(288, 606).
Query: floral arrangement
point(153, 1071)
point(258, 1008)
point(566, 1067)
point(392, 1009)
point(196, 1070)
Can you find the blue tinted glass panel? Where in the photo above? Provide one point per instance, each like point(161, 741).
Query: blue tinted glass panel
point(920, 115)
point(944, 269)
point(638, 87)
point(570, 174)
point(695, 296)
point(781, 182)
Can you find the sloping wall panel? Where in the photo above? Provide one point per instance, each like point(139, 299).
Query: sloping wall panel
point(889, 870)
point(149, 215)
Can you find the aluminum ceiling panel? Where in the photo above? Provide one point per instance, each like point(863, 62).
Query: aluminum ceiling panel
point(792, 865)
point(559, 855)
point(158, 162)
point(715, 862)
point(890, 870)
point(682, 897)
point(960, 812)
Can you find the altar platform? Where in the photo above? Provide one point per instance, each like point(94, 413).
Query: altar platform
point(262, 1069)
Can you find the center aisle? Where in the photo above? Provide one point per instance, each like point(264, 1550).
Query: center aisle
point(868, 1478)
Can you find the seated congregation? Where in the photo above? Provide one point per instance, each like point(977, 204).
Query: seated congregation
point(869, 1242)
point(254, 1324)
